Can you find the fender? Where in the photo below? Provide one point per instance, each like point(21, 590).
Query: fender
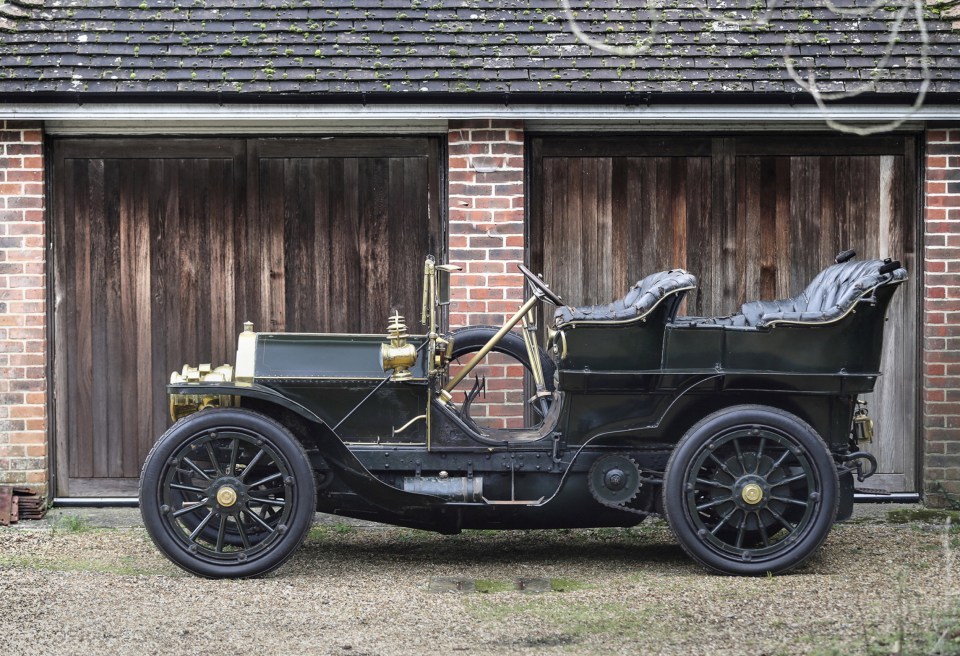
point(335, 452)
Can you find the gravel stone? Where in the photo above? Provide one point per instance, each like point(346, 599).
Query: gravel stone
point(366, 589)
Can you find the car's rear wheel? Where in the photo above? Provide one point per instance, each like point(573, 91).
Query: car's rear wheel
point(227, 493)
point(750, 490)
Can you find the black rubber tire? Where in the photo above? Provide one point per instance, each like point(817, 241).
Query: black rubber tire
point(803, 489)
point(253, 433)
point(472, 338)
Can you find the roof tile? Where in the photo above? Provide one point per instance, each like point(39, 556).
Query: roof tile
point(450, 46)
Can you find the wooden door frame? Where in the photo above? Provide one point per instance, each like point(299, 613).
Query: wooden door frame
point(244, 150)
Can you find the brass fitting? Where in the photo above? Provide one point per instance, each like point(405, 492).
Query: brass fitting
point(862, 423)
point(182, 405)
point(397, 354)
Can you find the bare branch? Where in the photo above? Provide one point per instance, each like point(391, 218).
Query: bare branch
point(810, 84)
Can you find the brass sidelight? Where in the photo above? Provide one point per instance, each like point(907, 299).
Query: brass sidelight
point(398, 354)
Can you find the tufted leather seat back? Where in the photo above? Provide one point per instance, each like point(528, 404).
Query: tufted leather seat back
point(828, 297)
point(641, 298)
point(841, 285)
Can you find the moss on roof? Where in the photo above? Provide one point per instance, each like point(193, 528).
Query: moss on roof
point(455, 47)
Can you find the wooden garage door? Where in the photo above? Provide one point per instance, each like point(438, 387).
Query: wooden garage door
point(163, 248)
point(752, 217)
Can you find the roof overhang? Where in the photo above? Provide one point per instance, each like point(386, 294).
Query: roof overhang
point(280, 117)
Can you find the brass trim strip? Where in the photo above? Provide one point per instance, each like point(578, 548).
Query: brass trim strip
point(373, 443)
point(851, 309)
point(356, 378)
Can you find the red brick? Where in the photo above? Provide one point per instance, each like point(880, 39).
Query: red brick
point(500, 203)
point(943, 174)
point(485, 267)
point(487, 135)
point(467, 176)
point(24, 202)
point(510, 189)
point(943, 201)
point(486, 242)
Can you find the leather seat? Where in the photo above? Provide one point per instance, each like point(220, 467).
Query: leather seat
point(640, 300)
point(828, 297)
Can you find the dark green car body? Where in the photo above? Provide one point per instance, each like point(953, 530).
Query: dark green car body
point(627, 392)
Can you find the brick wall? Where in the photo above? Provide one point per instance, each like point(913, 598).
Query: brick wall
point(23, 424)
point(941, 293)
point(486, 196)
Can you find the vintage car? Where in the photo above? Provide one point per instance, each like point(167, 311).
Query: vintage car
point(742, 431)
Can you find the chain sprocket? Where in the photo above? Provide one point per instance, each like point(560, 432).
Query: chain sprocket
point(614, 480)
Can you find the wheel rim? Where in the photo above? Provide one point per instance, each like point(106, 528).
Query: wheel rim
point(752, 493)
point(227, 496)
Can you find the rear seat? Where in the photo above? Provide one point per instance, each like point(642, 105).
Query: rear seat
point(829, 297)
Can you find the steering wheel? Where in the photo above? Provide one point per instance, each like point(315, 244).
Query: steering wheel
point(540, 289)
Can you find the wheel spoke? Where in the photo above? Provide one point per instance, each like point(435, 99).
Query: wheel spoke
point(243, 533)
point(763, 531)
point(785, 481)
point(739, 451)
point(258, 519)
point(234, 452)
point(193, 505)
point(250, 465)
point(213, 458)
point(714, 503)
point(763, 443)
point(722, 466)
point(776, 465)
point(192, 465)
point(723, 520)
point(271, 477)
point(795, 502)
point(220, 533)
point(187, 488)
point(269, 502)
point(712, 483)
point(202, 525)
point(268, 491)
point(790, 527)
point(741, 529)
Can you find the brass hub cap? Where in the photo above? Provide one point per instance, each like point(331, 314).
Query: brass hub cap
point(226, 496)
point(752, 493)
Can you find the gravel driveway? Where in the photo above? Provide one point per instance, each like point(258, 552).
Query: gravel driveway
point(358, 589)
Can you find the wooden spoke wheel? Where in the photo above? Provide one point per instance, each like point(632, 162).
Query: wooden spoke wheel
point(227, 493)
point(751, 490)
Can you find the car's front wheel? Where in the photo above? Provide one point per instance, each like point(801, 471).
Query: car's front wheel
point(750, 490)
point(227, 493)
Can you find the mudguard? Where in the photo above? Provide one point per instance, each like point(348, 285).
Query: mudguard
point(344, 463)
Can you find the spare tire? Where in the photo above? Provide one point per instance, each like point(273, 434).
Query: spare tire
point(472, 338)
